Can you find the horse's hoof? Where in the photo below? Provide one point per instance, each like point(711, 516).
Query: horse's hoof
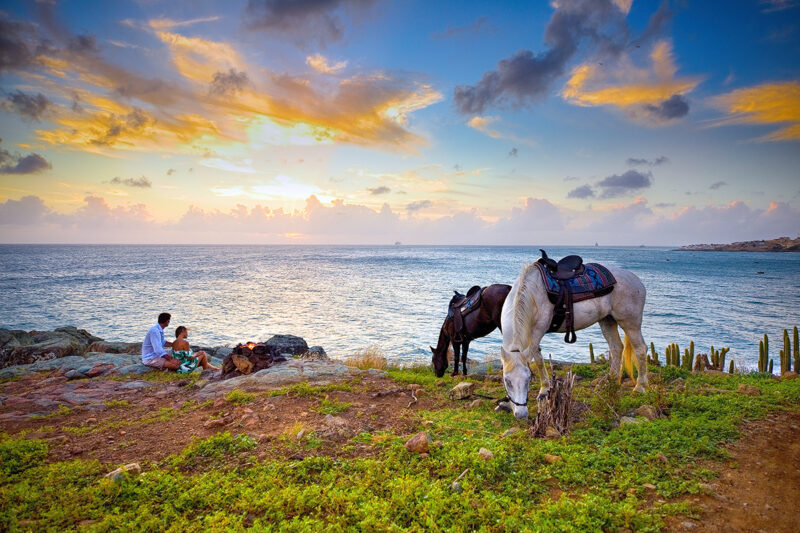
point(503, 406)
point(639, 388)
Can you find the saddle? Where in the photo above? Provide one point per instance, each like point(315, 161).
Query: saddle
point(460, 306)
point(568, 281)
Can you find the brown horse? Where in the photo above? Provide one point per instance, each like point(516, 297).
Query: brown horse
point(477, 323)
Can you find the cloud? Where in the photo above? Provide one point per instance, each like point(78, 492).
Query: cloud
point(461, 31)
point(167, 24)
point(417, 206)
point(765, 104)
point(28, 210)
point(306, 22)
point(717, 185)
point(17, 44)
point(638, 162)
point(170, 172)
point(379, 190)
point(28, 106)
point(771, 6)
point(626, 183)
point(320, 64)
point(584, 191)
point(652, 95)
point(513, 152)
point(674, 107)
point(228, 83)
point(19, 164)
point(141, 182)
point(482, 124)
point(525, 77)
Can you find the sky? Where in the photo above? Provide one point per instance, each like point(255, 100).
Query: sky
point(569, 122)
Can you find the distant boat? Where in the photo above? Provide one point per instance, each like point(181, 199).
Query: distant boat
point(397, 243)
point(596, 244)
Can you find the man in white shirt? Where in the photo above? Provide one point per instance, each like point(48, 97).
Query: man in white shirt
point(153, 347)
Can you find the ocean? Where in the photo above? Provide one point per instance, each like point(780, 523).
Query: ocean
point(348, 298)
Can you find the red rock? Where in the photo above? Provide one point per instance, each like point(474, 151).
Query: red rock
point(213, 423)
point(418, 443)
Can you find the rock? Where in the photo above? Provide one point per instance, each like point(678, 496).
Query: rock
point(90, 421)
point(74, 374)
point(418, 443)
point(678, 384)
point(242, 363)
point(485, 454)
point(456, 487)
point(647, 411)
point(462, 390)
point(315, 352)
point(334, 421)
point(440, 383)
point(134, 370)
point(221, 352)
point(552, 458)
point(551, 433)
point(649, 486)
point(115, 347)
point(279, 344)
point(510, 431)
point(100, 369)
point(215, 422)
point(438, 444)
point(688, 525)
point(119, 473)
point(662, 457)
point(475, 403)
point(25, 348)
point(789, 374)
point(629, 420)
point(749, 390)
point(414, 386)
point(714, 372)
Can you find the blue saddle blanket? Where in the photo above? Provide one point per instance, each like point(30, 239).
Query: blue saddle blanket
point(595, 281)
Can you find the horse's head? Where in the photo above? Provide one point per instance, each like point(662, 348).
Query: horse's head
point(517, 379)
point(440, 352)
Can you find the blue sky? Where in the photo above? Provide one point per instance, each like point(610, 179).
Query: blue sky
point(359, 121)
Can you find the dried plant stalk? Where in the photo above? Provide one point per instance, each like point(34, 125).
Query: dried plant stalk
point(556, 410)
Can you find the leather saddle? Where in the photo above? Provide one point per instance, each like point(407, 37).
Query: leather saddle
point(564, 275)
point(460, 306)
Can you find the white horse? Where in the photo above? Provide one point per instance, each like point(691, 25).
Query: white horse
point(526, 317)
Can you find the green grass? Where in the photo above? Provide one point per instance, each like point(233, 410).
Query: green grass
point(332, 407)
point(116, 403)
point(305, 390)
point(62, 410)
point(601, 474)
point(238, 397)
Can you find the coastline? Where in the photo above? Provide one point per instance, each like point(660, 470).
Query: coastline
point(781, 244)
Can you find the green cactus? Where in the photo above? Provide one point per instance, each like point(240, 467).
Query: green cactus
point(762, 357)
point(722, 354)
point(786, 360)
point(654, 360)
point(766, 346)
point(796, 350)
point(591, 353)
point(731, 368)
point(770, 366)
point(688, 357)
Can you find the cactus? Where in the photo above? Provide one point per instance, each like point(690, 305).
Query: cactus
point(762, 357)
point(730, 368)
point(770, 366)
point(654, 359)
point(722, 354)
point(786, 360)
point(688, 357)
point(591, 353)
point(766, 346)
point(796, 350)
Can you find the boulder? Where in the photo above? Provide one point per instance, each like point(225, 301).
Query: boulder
point(462, 390)
point(630, 420)
point(135, 369)
point(418, 443)
point(25, 348)
point(119, 473)
point(647, 411)
point(282, 344)
point(314, 353)
point(221, 352)
point(115, 347)
point(485, 454)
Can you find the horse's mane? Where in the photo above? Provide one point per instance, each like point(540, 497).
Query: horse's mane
point(525, 309)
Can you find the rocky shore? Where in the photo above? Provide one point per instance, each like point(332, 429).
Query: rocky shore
point(782, 244)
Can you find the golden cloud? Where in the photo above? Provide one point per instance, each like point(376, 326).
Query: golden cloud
point(769, 103)
point(627, 86)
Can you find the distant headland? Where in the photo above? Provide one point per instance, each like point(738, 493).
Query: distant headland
point(781, 244)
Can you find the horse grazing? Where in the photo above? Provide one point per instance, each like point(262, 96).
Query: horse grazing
point(479, 318)
point(528, 314)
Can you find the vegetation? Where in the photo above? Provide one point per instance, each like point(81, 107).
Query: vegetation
point(238, 397)
point(602, 482)
point(370, 357)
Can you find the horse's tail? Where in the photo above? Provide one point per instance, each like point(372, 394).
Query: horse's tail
point(628, 358)
point(524, 310)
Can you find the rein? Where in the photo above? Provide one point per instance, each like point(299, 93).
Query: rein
point(501, 400)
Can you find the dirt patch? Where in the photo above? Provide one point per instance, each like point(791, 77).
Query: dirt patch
point(153, 422)
point(757, 489)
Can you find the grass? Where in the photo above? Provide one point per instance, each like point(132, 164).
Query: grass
point(601, 474)
point(332, 406)
point(62, 410)
point(238, 397)
point(305, 390)
point(370, 357)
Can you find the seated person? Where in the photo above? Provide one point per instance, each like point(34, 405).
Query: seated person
point(183, 353)
point(154, 346)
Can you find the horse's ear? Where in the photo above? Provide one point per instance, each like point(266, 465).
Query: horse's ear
point(433, 350)
point(456, 293)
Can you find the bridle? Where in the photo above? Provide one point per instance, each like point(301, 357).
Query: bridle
point(508, 399)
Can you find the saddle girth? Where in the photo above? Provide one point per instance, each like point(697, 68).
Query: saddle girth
point(570, 281)
point(461, 306)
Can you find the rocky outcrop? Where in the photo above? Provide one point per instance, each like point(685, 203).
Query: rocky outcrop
point(781, 244)
point(286, 344)
point(20, 348)
point(115, 347)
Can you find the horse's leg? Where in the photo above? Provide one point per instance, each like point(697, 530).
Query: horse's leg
point(634, 335)
point(464, 350)
point(456, 350)
point(544, 381)
point(609, 328)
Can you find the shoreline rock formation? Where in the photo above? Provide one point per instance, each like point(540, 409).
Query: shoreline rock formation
point(781, 244)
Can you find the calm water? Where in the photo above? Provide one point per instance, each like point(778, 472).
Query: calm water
point(346, 298)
